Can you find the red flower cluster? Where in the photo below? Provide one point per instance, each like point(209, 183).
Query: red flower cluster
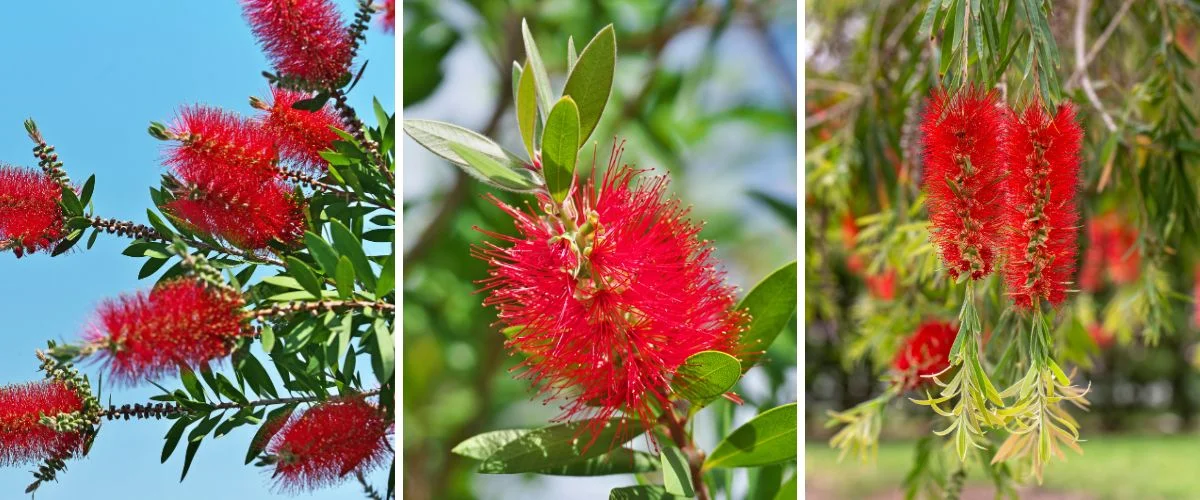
point(388, 20)
point(882, 286)
point(301, 135)
point(1103, 338)
point(304, 39)
point(1112, 249)
point(964, 165)
point(180, 322)
point(1043, 179)
point(328, 441)
point(849, 241)
point(30, 217)
point(925, 353)
point(23, 439)
point(612, 310)
point(232, 185)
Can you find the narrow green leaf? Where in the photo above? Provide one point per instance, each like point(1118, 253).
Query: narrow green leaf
point(267, 335)
point(192, 448)
point(705, 376)
point(259, 441)
point(226, 388)
point(321, 252)
point(304, 275)
point(618, 461)
point(677, 477)
point(591, 79)
point(572, 54)
point(350, 246)
point(344, 277)
point(172, 438)
point(151, 266)
point(516, 79)
point(387, 278)
point(439, 137)
point(556, 446)
point(158, 224)
point(771, 304)
point(191, 383)
point(85, 195)
point(527, 109)
point(540, 78)
point(387, 349)
point(788, 490)
point(766, 439)
point(481, 446)
point(643, 492)
point(926, 30)
point(560, 148)
point(494, 173)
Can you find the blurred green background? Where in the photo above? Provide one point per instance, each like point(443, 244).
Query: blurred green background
point(704, 90)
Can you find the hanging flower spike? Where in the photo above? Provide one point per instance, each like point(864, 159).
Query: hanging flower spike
point(611, 310)
point(1092, 270)
point(882, 286)
point(388, 20)
point(179, 322)
point(1043, 179)
point(231, 184)
point(925, 353)
point(31, 219)
point(328, 443)
point(23, 438)
point(304, 39)
point(1103, 338)
point(1124, 260)
point(300, 134)
point(964, 167)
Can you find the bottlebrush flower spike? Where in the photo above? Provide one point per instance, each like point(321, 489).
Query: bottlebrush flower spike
point(248, 218)
point(609, 311)
point(300, 134)
point(31, 219)
point(925, 353)
point(964, 165)
point(388, 19)
point(179, 322)
point(23, 438)
point(211, 142)
point(1043, 179)
point(1103, 338)
point(327, 442)
point(882, 286)
point(304, 39)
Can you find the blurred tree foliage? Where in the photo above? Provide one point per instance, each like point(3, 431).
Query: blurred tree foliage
point(705, 90)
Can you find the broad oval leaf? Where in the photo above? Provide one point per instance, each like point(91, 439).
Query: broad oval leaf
point(618, 461)
point(677, 476)
point(558, 445)
point(766, 439)
point(788, 490)
point(493, 173)
point(440, 137)
point(591, 79)
point(527, 109)
point(771, 304)
point(560, 148)
point(540, 79)
point(705, 376)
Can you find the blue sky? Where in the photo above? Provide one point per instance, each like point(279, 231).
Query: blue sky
point(93, 75)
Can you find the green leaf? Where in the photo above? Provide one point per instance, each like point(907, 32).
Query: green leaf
point(677, 477)
point(387, 349)
point(618, 461)
point(192, 448)
point(85, 195)
point(557, 445)
point(344, 277)
point(191, 383)
point(172, 438)
point(516, 79)
point(771, 304)
point(158, 224)
point(591, 79)
point(527, 109)
point(71, 202)
point(321, 252)
point(788, 490)
point(560, 148)
point(644, 492)
point(151, 266)
point(260, 437)
point(494, 173)
point(766, 439)
point(387, 278)
point(481, 446)
point(227, 389)
point(267, 335)
point(304, 275)
point(572, 54)
point(349, 246)
point(764, 482)
point(705, 376)
point(439, 137)
point(540, 79)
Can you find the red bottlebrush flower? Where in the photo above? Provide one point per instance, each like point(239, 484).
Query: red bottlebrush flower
point(882, 286)
point(925, 353)
point(180, 322)
point(1103, 338)
point(23, 439)
point(1124, 261)
point(1090, 273)
point(231, 184)
point(849, 239)
point(300, 134)
point(962, 137)
point(609, 316)
point(388, 18)
point(327, 442)
point(304, 39)
point(30, 216)
point(1043, 179)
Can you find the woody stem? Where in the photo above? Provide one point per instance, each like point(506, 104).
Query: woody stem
point(287, 308)
point(160, 410)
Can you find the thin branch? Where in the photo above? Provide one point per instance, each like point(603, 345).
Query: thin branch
point(1081, 65)
point(160, 410)
point(1098, 44)
point(288, 308)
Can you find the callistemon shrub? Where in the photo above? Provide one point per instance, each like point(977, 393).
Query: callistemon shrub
point(606, 318)
point(30, 217)
point(327, 443)
point(23, 438)
point(230, 182)
point(924, 354)
point(1042, 182)
point(180, 322)
point(964, 164)
point(304, 39)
